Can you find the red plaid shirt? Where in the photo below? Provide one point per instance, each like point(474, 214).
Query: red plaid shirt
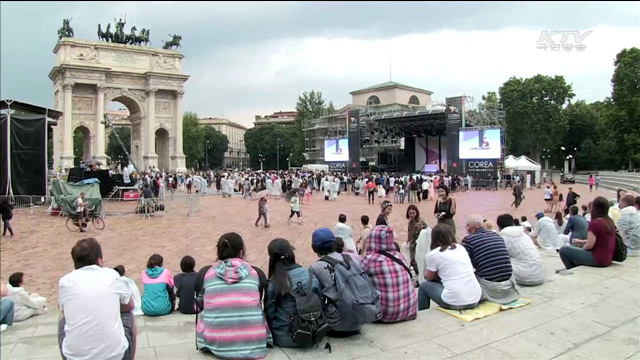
point(399, 300)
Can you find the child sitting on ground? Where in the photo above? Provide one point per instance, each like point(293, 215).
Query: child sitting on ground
point(25, 305)
point(137, 300)
point(186, 285)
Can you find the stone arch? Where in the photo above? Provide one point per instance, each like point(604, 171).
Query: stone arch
point(82, 151)
point(136, 117)
point(373, 100)
point(413, 100)
point(163, 147)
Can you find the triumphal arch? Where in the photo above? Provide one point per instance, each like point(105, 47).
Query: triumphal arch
point(149, 81)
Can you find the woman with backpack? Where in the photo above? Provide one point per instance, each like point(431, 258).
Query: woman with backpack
point(288, 281)
point(231, 324)
point(158, 297)
point(391, 276)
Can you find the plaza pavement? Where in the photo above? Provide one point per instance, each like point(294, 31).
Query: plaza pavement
point(589, 314)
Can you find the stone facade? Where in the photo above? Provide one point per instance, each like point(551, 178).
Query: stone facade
point(391, 93)
point(236, 156)
point(87, 75)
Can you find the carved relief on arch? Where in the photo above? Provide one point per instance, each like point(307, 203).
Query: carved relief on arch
point(82, 104)
point(163, 108)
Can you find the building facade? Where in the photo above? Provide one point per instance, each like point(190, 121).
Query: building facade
point(236, 156)
point(277, 118)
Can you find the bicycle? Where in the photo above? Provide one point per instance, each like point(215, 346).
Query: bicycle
point(96, 220)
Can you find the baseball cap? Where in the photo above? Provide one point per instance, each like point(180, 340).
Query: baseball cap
point(280, 248)
point(322, 237)
point(539, 215)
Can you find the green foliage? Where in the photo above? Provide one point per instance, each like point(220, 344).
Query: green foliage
point(310, 106)
point(114, 150)
point(625, 119)
point(264, 140)
point(78, 147)
point(533, 110)
point(218, 144)
point(490, 98)
point(195, 137)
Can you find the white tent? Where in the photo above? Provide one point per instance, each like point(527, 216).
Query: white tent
point(523, 163)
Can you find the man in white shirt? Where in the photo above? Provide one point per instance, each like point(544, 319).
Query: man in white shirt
point(96, 321)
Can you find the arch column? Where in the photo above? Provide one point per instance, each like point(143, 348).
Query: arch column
point(178, 157)
point(150, 158)
point(99, 130)
point(66, 159)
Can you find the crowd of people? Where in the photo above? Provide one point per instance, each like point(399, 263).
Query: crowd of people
point(375, 277)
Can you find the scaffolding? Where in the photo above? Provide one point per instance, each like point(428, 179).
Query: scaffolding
point(483, 116)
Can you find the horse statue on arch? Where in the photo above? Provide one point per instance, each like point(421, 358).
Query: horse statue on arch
point(173, 42)
point(106, 35)
point(131, 38)
point(66, 30)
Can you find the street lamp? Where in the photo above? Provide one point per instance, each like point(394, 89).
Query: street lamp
point(278, 154)
point(261, 159)
point(289, 161)
point(206, 156)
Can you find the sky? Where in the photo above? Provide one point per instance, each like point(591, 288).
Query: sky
point(246, 59)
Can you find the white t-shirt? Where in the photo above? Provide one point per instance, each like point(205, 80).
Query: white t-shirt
point(456, 272)
point(80, 205)
point(90, 299)
point(425, 185)
point(548, 194)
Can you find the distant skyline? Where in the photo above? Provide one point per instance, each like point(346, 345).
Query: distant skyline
point(248, 59)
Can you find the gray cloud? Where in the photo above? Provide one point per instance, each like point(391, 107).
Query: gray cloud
point(221, 41)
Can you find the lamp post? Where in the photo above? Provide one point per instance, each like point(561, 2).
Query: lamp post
point(573, 160)
point(206, 156)
point(565, 159)
point(278, 154)
point(261, 159)
point(289, 161)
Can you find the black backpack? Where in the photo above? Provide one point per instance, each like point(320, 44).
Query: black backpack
point(620, 253)
point(308, 324)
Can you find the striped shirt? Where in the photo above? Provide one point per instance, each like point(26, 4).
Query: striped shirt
point(489, 255)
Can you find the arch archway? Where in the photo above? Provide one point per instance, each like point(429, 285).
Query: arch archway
point(81, 144)
point(163, 148)
point(373, 100)
point(413, 100)
point(125, 111)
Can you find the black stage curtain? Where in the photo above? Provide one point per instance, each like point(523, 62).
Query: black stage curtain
point(4, 156)
point(27, 156)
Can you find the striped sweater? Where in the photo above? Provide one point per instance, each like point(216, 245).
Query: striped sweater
point(232, 324)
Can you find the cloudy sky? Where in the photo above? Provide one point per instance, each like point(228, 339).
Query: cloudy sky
point(256, 58)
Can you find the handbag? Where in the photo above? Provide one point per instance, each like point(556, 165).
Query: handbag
point(620, 253)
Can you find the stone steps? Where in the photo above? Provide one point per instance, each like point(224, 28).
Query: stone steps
point(613, 181)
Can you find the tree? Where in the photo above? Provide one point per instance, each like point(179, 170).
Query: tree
point(583, 133)
point(218, 144)
point(78, 147)
point(310, 106)
point(193, 139)
point(625, 95)
point(533, 110)
point(490, 98)
point(264, 140)
point(114, 149)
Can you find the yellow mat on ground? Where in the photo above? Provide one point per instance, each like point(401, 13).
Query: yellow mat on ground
point(484, 309)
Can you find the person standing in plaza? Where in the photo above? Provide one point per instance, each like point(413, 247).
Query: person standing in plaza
point(383, 218)
point(416, 225)
point(6, 209)
point(371, 191)
point(572, 198)
point(445, 208)
point(592, 181)
point(597, 181)
point(263, 212)
point(548, 198)
point(517, 194)
point(295, 208)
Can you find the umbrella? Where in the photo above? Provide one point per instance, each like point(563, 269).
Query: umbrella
point(261, 194)
point(290, 194)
